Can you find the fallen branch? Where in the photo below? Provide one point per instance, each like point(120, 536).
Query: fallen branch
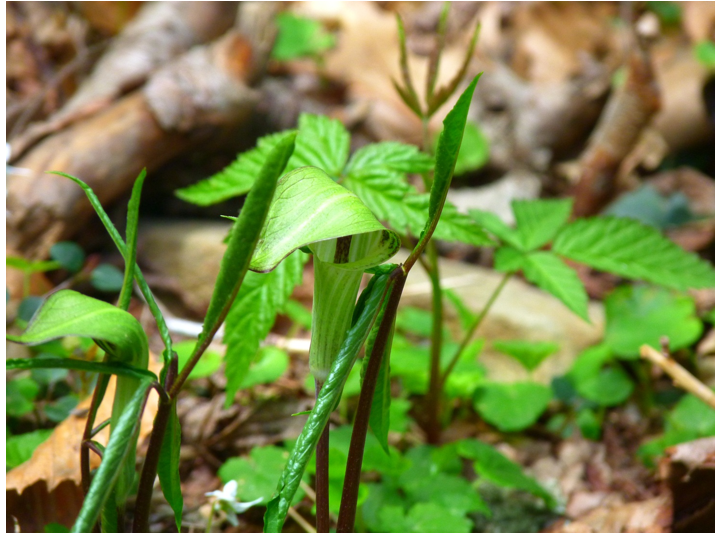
point(680, 376)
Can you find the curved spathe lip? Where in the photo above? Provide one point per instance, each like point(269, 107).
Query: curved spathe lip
point(309, 208)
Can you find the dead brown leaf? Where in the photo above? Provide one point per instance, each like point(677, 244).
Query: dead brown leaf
point(57, 459)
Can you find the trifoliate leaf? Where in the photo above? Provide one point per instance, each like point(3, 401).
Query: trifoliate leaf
point(630, 249)
point(234, 180)
point(253, 313)
point(388, 155)
point(322, 142)
point(538, 220)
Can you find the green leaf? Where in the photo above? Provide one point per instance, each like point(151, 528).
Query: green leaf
point(253, 313)
point(605, 386)
point(117, 239)
point(168, 466)
point(589, 424)
point(271, 364)
point(388, 155)
point(466, 316)
point(414, 321)
point(509, 259)
point(257, 474)
point(553, 275)
point(31, 266)
point(431, 517)
point(299, 37)
point(244, 237)
point(632, 250)
point(512, 406)
point(538, 220)
point(130, 254)
point(651, 208)
point(68, 254)
point(328, 397)
point(689, 420)
point(408, 94)
point(309, 207)
point(322, 142)
point(106, 277)
point(208, 363)
point(705, 53)
point(19, 449)
point(298, 313)
point(19, 396)
point(494, 225)
point(54, 527)
point(119, 450)
point(637, 315)
point(68, 313)
point(529, 354)
point(61, 408)
point(28, 307)
point(498, 469)
point(447, 150)
point(234, 180)
point(452, 227)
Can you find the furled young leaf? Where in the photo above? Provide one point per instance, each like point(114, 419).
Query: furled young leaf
point(322, 142)
point(512, 406)
point(328, 397)
point(529, 354)
point(118, 451)
point(538, 220)
point(130, 255)
point(637, 315)
point(244, 236)
point(309, 207)
point(388, 155)
point(120, 244)
point(448, 150)
point(168, 466)
point(253, 313)
point(68, 254)
point(495, 467)
point(630, 249)
point(234, 180)
point(407, 93)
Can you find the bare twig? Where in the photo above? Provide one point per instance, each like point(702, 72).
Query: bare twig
point(680, 376)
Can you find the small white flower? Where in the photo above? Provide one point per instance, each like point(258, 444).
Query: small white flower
point(227, 500)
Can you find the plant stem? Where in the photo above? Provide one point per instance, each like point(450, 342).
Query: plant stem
point(475, 325)
point(350, 493)
point(322, 476)
point(211, 517)
point(300, 520)
point(141, 521)
point(433, 399)
point(97, 396)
